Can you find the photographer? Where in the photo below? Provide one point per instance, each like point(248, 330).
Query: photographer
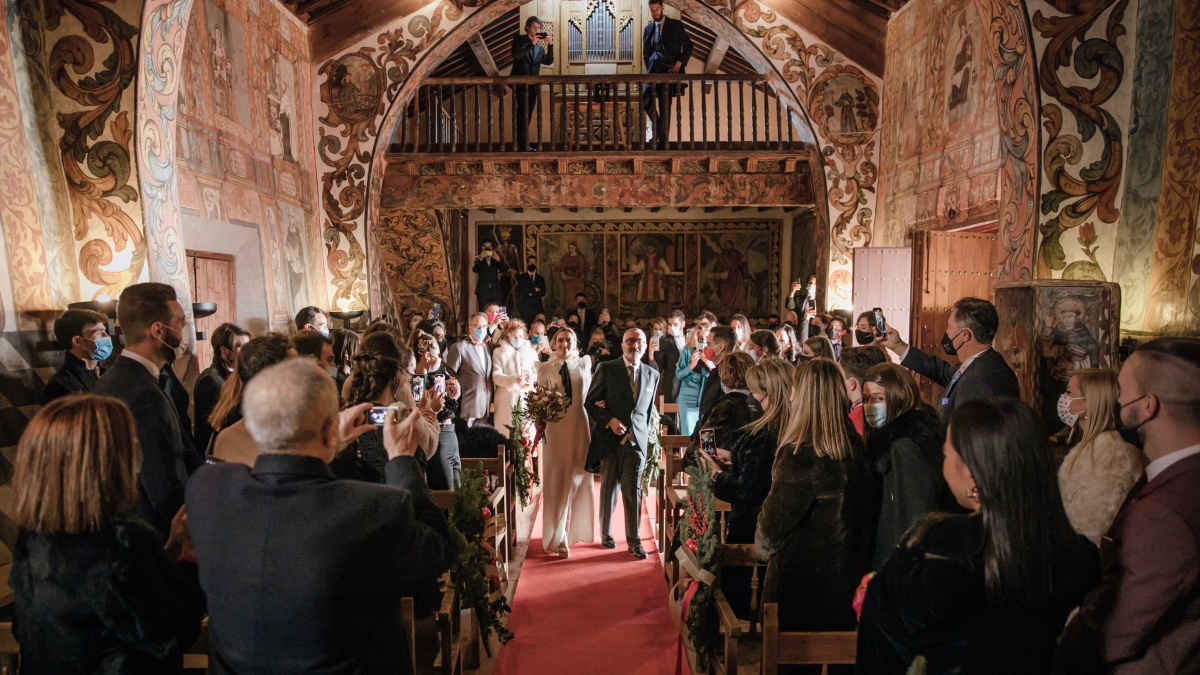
point(530, 51)
point(488, 268)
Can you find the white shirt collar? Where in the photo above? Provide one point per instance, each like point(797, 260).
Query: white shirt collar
point(154, 370)
point(1163, 463)
point(627, 363)
point(967, 364)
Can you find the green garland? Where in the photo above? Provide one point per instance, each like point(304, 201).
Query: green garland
point(518, 453)
point(478, 590)
point(653, 450)
point(698, 533)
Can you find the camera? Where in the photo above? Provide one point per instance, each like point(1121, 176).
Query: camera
point(543, 35)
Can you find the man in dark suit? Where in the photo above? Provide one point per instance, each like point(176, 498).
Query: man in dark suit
point(721, 339)
point(531, 288)
point(226, 341)
point(153, 323)
point(982, 371)
point(304, 573)
point(619, 403)
point(1145, 615)
point(587, 318)
point(530, 51)
point(666, 48)
point(488, 268)
point(84, 334)
point(666, 357)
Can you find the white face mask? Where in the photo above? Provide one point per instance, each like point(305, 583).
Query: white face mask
point(1064, 409)
point(739, 333)
point(875, 414)
point(517, 343)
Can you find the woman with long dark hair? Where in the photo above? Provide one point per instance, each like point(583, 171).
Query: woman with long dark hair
point(987, 592)
point(230, 441)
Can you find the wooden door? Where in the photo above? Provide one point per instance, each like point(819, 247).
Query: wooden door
point(947, 266)
point(883, 279)
point(212, 277)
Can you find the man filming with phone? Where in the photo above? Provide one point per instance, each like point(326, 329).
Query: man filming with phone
point(530, 51)
point(488, 267)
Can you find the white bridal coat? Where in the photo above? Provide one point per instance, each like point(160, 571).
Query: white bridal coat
point(568, 502)
point(507, 365)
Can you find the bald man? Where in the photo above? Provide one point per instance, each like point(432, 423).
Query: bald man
point(1145, 615)
point(303, 572)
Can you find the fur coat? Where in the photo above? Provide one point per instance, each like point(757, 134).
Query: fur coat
point(1094, 479)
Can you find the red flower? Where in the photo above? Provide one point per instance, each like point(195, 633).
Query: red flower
point(1087, 233)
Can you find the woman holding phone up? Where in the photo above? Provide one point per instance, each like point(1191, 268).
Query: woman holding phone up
point(691, 378)
point(431, 372)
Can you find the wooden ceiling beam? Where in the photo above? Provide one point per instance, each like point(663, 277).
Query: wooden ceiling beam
point(483, 55)
point(865, 49)
point(716, 56)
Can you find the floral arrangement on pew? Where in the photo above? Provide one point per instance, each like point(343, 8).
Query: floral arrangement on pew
point(698, 556)
point(653, 450)
point(520, 445)
point(474, 570)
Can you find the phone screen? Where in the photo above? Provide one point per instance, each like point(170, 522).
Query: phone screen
point(880, 322)
point(377, 414)
point(418, 389)
point(439, 384)
point(504, 311)
point(708, 442)
point(437, 310)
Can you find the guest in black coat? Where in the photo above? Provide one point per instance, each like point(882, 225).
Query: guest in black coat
point(94, 589)
point(736, 408)
point(982, 373)
point(530, 51)
point(904, 440)
point(487, 268)
point(153, 322)
point(743, 476)
point(987, 592)
point(84, 334)
point(226, 341)
point(304, 573)
point(721, 339)
point(666, 356)
point(817, 529)
point(531, 288)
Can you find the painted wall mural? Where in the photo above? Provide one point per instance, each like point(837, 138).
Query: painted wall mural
point(1083, 48)
point(412, 259)
point(843, 103)
point(244, 97)
point(941, 150)
point(650, 268)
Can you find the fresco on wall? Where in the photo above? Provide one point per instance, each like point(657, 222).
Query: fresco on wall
point(508, 242)
point(227, 64)
point(642, 269)
point(281, 108)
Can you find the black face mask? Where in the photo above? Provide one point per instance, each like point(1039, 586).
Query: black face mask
point(582, 305)
point(532, 269)
point(1128, 433)
point(864, 337)
point(948, 343)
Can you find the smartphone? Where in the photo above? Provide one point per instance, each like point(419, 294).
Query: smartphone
point(418, 389)
point(708, 442)
point(880, 322)
point(378, 413)
point(504, 311)
point(436, 311)
point(543, 35)
point(439, 384)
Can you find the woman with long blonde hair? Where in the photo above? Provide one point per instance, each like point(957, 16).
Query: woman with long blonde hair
point(817, 526)
point(1099, 471)
point(94, 588)
point(745, 480)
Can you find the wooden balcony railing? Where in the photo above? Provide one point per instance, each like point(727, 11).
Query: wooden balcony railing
point(596, 114)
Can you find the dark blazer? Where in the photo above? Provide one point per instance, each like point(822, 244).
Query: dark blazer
point(1145, 615)
point(711, 391)
point(907, 454)
point(728, 416)
point(611, 385)
point(192, 458)
point(587, 322)
point(304, 572)
point(73, 378)
point(487, 284)
point(675, 45)
point(163, 474)
point(109, 601)
point(531, 288)
point(665, 360)
point(529, 58)
point(204, 399)
point(816, 532)
point(746, 482)
point(930, 600)
point(989, 376)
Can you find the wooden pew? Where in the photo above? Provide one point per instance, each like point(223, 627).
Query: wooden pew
point(10, 651)
point(449, 625)
point(818, 648)
point(672, 489)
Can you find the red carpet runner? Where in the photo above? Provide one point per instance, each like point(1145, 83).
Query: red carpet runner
point(600, 611)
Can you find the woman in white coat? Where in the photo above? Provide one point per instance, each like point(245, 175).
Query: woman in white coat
point(513, 372)
point(568, 501)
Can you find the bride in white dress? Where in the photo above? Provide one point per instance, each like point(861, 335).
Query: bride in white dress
point(568, 503)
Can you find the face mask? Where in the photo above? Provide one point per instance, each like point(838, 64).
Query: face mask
point(581, 305)
point(491, 316)
point(535, 339)
point(864, 337)
point(478, 334)
point(811, 289)
point(875, 414)
point(658, 335)
point(442, 347)
point(102, 349)
point(517, 343)
point(532, 269)
point(676, 331)
point(1128, 433)
point(1064, 410)
point(739, 333)
point(756, 356)
point(332, 370)
point(324, 333)
point(948, 343)
point(171, 351)
point(834, 334)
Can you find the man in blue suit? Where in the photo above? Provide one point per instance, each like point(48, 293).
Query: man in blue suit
point(531, 50)
point(666, 48)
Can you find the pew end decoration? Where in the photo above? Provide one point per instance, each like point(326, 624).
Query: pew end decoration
point(474, 569)
point(520, 446)
point(696, 591)
point(653, 451)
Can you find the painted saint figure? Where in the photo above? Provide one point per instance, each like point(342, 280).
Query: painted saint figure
point(732, 274)
point(652, 285)
point(572, 271)
point(222, 72)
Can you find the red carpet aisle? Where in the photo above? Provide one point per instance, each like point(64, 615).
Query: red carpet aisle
point(600, 611)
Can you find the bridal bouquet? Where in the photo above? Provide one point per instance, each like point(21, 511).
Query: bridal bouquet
point(543, 406)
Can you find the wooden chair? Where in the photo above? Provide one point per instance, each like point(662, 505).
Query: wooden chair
point(10, 651)
point(819, 648)
point(497, 528)
point(736, 642)
point(408, 619)
point(672, 489)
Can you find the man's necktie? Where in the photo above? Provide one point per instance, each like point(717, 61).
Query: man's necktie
point(632, 381)
point(565, 373)
point(163, 378)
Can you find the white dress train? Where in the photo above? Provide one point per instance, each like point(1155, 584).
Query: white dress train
point(568, 499)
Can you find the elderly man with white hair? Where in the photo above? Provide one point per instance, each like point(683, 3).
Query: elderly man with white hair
point(303, 572)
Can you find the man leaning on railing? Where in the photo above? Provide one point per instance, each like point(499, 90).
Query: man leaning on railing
point(531, 50)
point(666, 48)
